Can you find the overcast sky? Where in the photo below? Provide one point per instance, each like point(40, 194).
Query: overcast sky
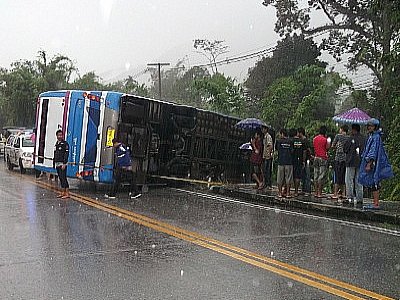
point(119, 37)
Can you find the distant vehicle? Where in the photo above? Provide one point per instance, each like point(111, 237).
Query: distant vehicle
point(18, 152)
point(165, 138)
point(2, 144)
point(9, 130)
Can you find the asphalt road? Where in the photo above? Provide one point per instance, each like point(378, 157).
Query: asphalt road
point(182, 244)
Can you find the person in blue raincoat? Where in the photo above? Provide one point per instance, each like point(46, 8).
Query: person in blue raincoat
point(375, 165)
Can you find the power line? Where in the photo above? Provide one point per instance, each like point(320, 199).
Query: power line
point(244, 57)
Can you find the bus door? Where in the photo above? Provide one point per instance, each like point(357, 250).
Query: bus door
point(87, 113)
point(74, 132)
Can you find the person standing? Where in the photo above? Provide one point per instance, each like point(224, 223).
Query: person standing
point(123, 170)
point(375, 165)
point(353, 148)
point(340, 160)
point(60, 162)
point(299, 158)
point(267, 157)
point(321, 145)
point(256, 160)
point(284, 147)
point(305, 180)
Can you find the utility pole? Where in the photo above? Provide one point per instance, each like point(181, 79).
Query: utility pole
point(159, 65)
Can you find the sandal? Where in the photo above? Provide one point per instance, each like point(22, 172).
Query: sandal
point(65, 197)
point(371, 207)
point(60, 196)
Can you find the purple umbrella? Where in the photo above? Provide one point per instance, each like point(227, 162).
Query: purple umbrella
point(246, 146)
point(250, 124)
point(353, 116)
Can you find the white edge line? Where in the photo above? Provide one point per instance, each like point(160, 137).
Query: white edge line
point(342, 222)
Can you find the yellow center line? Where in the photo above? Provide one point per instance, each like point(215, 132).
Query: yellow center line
point(285, 270)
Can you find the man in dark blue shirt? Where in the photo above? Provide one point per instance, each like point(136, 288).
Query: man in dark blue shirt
point(123, 169)
point(284, 146)
point(60, 162)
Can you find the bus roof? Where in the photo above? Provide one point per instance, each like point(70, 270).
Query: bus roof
point(62, 93)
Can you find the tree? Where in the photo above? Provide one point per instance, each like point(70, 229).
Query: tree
point(25, 80)
point(168, 79)
point(301, 99)
point(18, 93)
point(364, 30)
point(88, 82)
point(130, 86)
point(212, 50)
point(55, 72)
point(221, 94)
point(289, 54)
point(359, 99)
point(183, 90)
point(391, 188)
point(177, 83)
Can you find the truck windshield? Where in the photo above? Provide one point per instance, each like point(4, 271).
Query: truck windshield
point(27, 142)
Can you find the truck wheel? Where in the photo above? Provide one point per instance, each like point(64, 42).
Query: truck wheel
point(9, 164)
point(21, 167)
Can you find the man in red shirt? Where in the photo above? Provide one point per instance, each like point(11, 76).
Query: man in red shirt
point(321, 145)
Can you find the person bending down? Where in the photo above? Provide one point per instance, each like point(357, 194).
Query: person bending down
point(123, 169)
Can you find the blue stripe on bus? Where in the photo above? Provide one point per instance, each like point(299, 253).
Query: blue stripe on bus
point(56, 94)
point(74, 136)
point(113, 100)
point(91, 136)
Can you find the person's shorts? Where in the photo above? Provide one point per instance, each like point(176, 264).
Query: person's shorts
point(297, 170)
point(320, 168)
point(340, 172)
point(375, 188)
point(285, 174)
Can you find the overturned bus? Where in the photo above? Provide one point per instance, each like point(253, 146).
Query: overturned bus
point(165, 139)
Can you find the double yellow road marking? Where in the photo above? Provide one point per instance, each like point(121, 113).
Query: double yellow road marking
point(321, 282)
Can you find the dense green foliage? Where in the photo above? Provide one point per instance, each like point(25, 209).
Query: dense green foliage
point(221, 94)
point(367, 33)
point(303, 98)
point(289, 54)
point(198, 88)
point(22, 83)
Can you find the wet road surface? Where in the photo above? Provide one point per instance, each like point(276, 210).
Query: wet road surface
point(185, 249)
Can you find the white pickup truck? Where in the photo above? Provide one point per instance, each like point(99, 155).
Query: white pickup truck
point(2, 144)
point(18, 152)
